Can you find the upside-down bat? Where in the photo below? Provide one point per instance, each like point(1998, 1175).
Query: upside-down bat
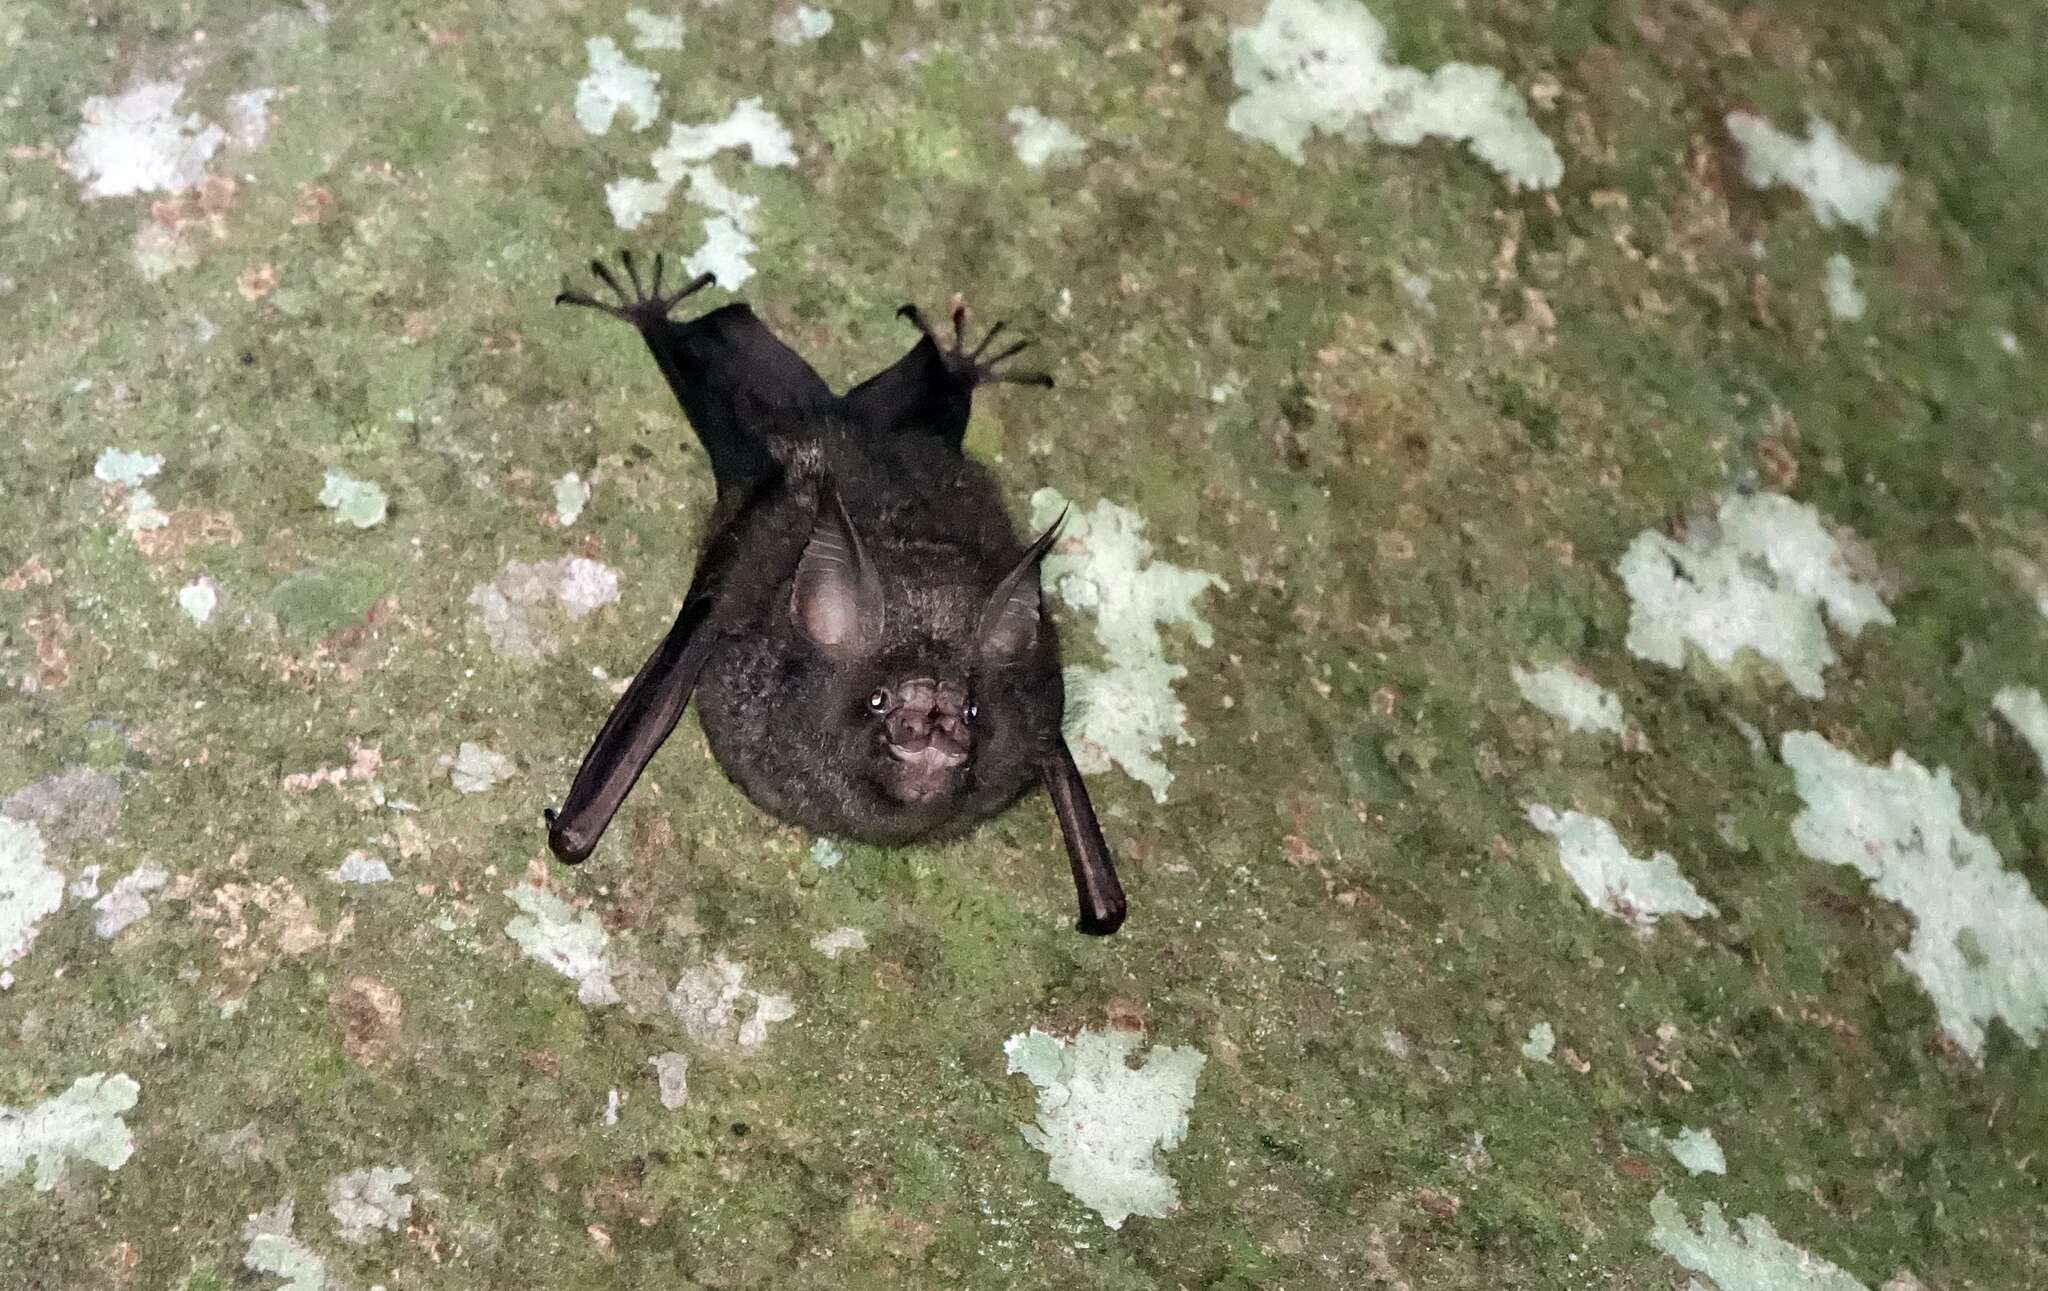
point(864, 633)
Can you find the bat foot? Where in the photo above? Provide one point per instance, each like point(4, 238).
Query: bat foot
point(976, 367)
point(644, 304)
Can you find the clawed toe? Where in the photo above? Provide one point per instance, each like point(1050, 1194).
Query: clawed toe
point(644, 303)
point(969, 363)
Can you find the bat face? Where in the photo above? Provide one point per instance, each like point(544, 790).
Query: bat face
point(888, 694)
point(863, 634)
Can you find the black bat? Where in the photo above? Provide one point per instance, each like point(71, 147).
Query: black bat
point(864, 633)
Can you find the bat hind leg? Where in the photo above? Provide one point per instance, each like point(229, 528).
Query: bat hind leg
point(644, 306)
point(976, 367)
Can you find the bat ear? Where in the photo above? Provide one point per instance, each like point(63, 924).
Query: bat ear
point(837, 596)
point(1010, 620)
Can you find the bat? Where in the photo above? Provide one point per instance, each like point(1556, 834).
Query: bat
point(864, 635)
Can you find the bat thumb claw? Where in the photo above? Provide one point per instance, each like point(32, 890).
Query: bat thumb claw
point(1101, 923)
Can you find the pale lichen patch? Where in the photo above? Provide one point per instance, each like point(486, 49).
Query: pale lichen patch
point(1122, 714)
point(2027, 711)
point(360, 866)
point(475, 768)
point(353, 501)
point(1612, 881)
point(801, 25)
point(73, 806)
point(126, 468)
point(1043, 141)
point(1542, 1042)
point(570, 941)
point(572, 494)
point(718, 1010)
point(363, 1202)
point(1980, 935)
point(839, 941)
point(249, 117)
point(685, 159)
point(138, 143)
point(614, 85)
point(127, 902)
point(1846, 300)
point(199, 599)
point(671, 1078)
point(31, 889)
point(1756, 1259)
point(1321, 65)
point(1103, 1123)
point(1581, 703)
point(83, 1123)
point(1756, 581)
point(272, 1249)
point(654, 31)
point(511, 606)
point(1840, 187)
point(1697, 1151)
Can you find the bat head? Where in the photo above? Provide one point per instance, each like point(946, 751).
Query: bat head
point(945, 696)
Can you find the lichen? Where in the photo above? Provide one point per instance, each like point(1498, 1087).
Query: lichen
point(1758, 582)
point(516, 608)
point(363, 1202)
point(126, 903)
point(1980, 935)
point(1042, 141)
point(272, 1249)
point(1572, 698)
point(718, 1010)
point(614, 85)
point(1123, 713)
point(1612, 881)
point(1103, 1123)
point(83, 1123)
point(1755, 1260)
point(801, 25)
point(353, 501)
point(572, 942)
point(130, 469)
point(137, 143)
point(475, 768)
point(360, 866)
point(2027, 711)
point(1839, 186)
point(1845, 300)
point(31, 888)
point(1320, 65)
point(572, 494)
point(199, 598)
point(839, 941)
point(671, 1078)
point(652, 31)
point(1697, 1151)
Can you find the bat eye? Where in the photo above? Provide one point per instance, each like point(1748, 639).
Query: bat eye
point(973, 711)
point(878, 701)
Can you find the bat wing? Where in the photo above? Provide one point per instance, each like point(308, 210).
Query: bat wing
point(920, 391)
point(647, 713)
point(1096, 888)
point(931, 388)
point(736, 381)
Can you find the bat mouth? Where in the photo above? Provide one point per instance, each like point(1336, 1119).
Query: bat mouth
point(930, 760)
point(924, 774)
